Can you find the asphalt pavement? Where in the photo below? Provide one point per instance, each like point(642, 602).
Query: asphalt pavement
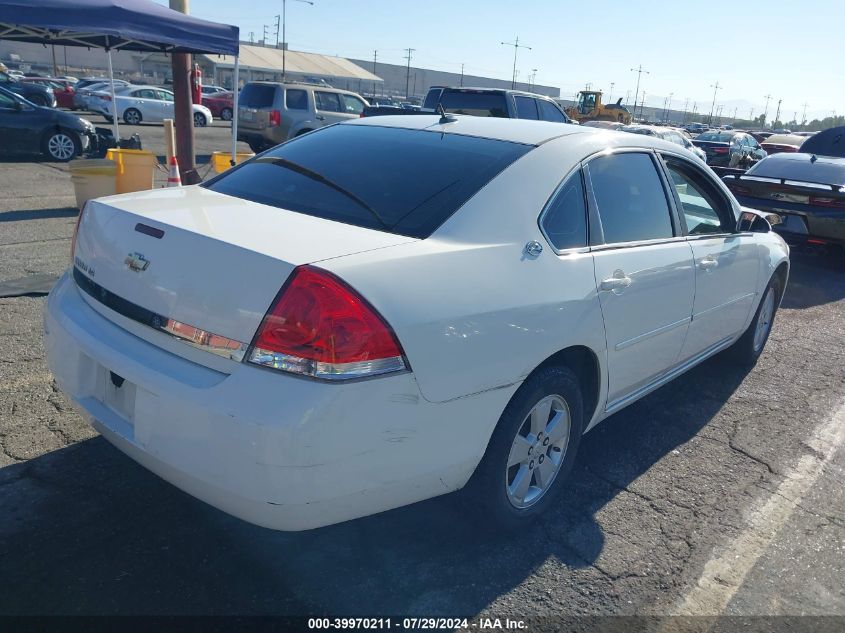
point(720, 494)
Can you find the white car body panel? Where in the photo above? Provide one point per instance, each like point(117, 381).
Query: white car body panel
point(473, 311)
point(152, 110)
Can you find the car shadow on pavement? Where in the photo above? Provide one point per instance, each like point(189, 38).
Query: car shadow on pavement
point(809, 264)
point(86, 530)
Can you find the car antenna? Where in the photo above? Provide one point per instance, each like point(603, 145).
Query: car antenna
point(445, 118)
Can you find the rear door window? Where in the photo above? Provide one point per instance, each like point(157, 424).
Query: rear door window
point(630, 198)
point(705, 210)
point(475, 103)
point(549, 112)
point(526, 108)
point(257, 96)
point(353, 105)
point(296, 99)
point(327, 101)
point(343, 173)
point(565, 219)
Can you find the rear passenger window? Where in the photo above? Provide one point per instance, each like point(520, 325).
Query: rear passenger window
point(526, 108)
point(296, 99)
point(328, 101)
point(704, 210)
point(565, 219)
point(548, 112)
point(631, 201)
point(257, 95)
point(352, 104)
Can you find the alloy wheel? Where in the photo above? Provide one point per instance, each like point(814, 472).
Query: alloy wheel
point(537, 452)
point(61, 147)
point(199, 119)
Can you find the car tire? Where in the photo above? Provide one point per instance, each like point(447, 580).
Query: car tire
point(748, 348)
point(301, 132)
point(109, 119)
point(226, 114)
point(518, 452)
point(256, 148)
point(61, 145)
point(200, 120)
point(132, 116)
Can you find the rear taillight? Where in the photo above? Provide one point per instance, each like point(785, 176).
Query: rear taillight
point(738, 189)
point(275, 118)
point(75, 233)
point(319, 326)
point(720, 150)
point(827, 201)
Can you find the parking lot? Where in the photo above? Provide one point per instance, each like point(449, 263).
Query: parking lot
point(718, 494)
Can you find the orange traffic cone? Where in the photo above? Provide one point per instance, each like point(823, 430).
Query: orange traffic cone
point(173, 177)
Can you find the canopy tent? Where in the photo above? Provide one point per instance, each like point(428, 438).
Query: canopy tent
point(135, 25)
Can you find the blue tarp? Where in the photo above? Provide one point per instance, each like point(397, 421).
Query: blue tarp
point(135, 25)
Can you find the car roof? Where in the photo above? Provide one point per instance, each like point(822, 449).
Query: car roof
point(498, 90)
point(785, 139)
point(525, 131)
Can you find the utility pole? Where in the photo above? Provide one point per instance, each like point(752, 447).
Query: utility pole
point(751, 115)
point(375, 57)
point(627, 98)
point(734, 116)
point(533, 81)
point(264, 38)
point(180, 64)
point(777, 114)
point(766, 111)
point(804, 114)
point(642, 105)
point(669, 101)
point(408, 73)
point(639, 70)
point(665, 106)
point(252, 37)
point(516, 46)
point(610, 96)
point(284, 38)
point(462, 74)
point(715, 87)
point(686, 105)
point(278, 17)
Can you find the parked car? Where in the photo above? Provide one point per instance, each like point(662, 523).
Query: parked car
point(82, 98)
point(210, 90)
point(144, 104)
point(15, 73)
point(669, 134)
point(34, 93)
point(778, 143)
point(494, 102)
point(27, 128)
point(221, 105)
point(727, 148)
point(760, 137)
point(62, 89)
point(696, 128)
point(829, 142)
point(270, 113)
point(391, 309)
point(607, 125)
point(805, 190)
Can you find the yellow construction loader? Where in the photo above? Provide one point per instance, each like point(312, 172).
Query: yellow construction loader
point(590, 108)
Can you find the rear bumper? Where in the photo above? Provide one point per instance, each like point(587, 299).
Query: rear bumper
point(274, 450)
point(801, 222)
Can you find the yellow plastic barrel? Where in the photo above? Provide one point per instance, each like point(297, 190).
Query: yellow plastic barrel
point(136, 169)
point(92, 178)
point(223, 160)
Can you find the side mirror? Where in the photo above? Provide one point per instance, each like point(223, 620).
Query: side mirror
point(756, 221)
point(18, 105)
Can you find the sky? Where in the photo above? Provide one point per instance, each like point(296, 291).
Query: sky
point(752, 48)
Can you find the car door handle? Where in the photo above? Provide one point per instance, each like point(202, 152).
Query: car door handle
point(709, 263)
point(320, 117)
point(619, 281)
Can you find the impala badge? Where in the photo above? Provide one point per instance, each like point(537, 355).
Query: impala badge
point(136, 262)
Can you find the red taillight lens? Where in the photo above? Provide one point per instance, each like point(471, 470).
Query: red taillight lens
point(75, 233)
point(320, 327)
point(827, 201)
point(275, 118)
point(720, 150)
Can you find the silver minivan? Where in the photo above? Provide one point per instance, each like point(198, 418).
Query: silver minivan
point(270, 112)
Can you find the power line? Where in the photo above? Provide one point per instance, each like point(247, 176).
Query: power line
point(516, 46)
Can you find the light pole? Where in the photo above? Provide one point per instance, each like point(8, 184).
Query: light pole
point(533, 81)
point(408, 73)
point(766, 111)
point(610, 96)
point(284, 40)
point(516, 46)
point(686, 105)
point(777, 114)
point(715, 87)
point(462, 74)
point(668, 107)
point(639, 70)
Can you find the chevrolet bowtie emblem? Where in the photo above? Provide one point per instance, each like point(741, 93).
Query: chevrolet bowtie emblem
point(136, 262)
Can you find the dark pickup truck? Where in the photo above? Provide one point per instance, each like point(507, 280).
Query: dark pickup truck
point(491, 102)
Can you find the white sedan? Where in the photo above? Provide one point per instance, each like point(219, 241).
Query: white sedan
point(307, 339)
point(144, 104)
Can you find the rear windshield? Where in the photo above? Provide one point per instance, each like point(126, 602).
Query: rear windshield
point(826, 171)
point(257, 96)
point(395, 180)
point(475, 103)
point(722, 137)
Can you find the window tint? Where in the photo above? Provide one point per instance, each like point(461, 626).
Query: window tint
point(144, 94)
point(526, 108)
point(432, 99)
point(721, 137)
point(296, 99)
point(327, 101)
point(698, 205)
point(565, 219)
point(548, 112)
point(352, 104)
point(414, 187)
point(630, 198)
point(6, 101)
point(257, 95)
point(475, 103)
point(164, 95)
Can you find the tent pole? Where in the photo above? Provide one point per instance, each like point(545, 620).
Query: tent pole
point(113, 101)
point(235, 111)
